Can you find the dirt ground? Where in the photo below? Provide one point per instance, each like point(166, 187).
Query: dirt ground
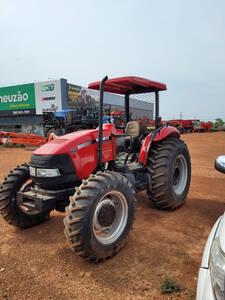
point(37, 263)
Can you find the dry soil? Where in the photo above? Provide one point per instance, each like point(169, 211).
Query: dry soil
point(37, 263)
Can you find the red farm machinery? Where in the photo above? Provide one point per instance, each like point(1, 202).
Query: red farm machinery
point(184, 126)
point(22, 139)
point(94, 174)
point(189, 126)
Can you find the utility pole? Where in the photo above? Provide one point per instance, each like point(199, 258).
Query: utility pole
point(180, 115)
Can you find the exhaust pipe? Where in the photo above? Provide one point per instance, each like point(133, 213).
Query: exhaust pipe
point(100, 125)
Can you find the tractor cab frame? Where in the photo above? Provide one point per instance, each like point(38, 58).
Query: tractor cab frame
point(125, 86)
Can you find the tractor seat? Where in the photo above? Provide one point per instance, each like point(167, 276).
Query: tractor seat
point(129, 141)
point(133, 132)
point(133, 129)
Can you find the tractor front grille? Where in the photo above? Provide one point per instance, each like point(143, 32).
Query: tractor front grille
point(62, 162)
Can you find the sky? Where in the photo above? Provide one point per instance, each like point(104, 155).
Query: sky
point(180, 43)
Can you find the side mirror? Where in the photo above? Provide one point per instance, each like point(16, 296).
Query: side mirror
point(220, 163)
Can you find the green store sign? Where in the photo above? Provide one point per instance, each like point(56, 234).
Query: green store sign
point(17, 100)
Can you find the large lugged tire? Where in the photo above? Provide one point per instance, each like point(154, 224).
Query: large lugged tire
point(100, 216)
point(170, 166)
point(17, 180)
point(53, 133)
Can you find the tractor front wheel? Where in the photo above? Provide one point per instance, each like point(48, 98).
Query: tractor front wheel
point(100, 215)
point(170, 168)
point(14, 213)
point(51, 134)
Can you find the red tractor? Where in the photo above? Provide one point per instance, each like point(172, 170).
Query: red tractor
point(94, 174)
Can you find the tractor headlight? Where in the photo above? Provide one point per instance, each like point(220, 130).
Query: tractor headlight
point(47, 172)
point(38, 172)
point(217, 269)
point(32, 171)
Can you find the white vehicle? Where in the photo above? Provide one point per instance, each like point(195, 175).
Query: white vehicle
point(211, 279)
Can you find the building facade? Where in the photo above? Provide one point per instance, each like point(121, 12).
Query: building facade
point(22, 106)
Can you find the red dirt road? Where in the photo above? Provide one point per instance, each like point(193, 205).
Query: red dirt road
point(37, 263)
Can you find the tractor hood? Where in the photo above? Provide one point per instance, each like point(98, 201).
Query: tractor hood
point(75, 154)
point(69, 143)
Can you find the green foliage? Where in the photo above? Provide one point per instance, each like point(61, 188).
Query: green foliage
point(213, 129)
point(219, 122)
point(191, 294)
point(169, 286)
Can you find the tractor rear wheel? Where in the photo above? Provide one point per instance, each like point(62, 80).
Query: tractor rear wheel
point(100, 215)
point(170, 168)
point(18, 180)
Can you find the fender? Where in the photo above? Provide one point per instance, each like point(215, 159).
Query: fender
point(158, 135)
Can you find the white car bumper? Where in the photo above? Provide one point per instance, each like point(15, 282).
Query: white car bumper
point(204, 287)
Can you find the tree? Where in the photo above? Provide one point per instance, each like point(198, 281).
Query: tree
point(219, 122)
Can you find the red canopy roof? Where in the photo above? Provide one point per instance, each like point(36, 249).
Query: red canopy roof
point(130, 85)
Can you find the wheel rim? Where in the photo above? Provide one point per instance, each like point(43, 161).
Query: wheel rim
point(180, 174)
point(110, 217)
